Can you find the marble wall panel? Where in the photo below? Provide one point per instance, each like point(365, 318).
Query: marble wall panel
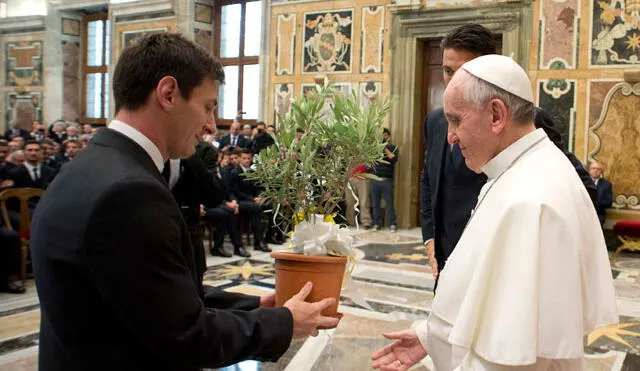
point(203, 13)
point(615, 33)
point(204, 38)
point(617, 143)
point(558, 34)
point(23, 63)
point(307, 89)
point(327, 45)
point(369, 91)
point(23, 108)
point(128, 33)
point(284, 96)
point(372, 39)
point(285, 43)
point(558, 98)
point(71, 54)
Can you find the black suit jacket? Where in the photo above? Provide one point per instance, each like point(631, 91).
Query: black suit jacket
point(242, 142)
point(22, 179)
point(435, 139)
point(21, 133)
point(605, 198)
point(116, 277)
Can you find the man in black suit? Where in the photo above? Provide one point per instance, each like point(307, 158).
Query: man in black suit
point(448, 188)
point(234, 139)
point(33, 173)
point(113, 263)
point(16, 131)
point(70, 148)
point(262, 139)
point(605, 190)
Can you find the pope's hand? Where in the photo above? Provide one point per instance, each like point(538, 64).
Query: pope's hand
point(307, 317)
point(268, 301)
point(431, 257)
point(400, 355)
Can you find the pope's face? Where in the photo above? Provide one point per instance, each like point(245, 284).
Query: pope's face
point(470, 126)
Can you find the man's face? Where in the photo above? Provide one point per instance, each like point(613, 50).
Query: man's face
point(595, 170)
point(36, 126)
point(72, 149)
point(234, 128)
point(191, 118)
point(233, 160)
point(452, 59)
point(19, 140)
point(4, 151)
point(72, 131)
point(386, 137)
point(247, 131)
point(47, 149)
point(246, 159)
point(13, 146)
point(469, 126)
point(87, 129)
point(224, 161)
point(33, 153)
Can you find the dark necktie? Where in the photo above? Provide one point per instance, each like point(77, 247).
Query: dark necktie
point(234, 140)
point(35, 174)
point(166, 172)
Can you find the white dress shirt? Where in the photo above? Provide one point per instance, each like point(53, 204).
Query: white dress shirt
point(30, 170)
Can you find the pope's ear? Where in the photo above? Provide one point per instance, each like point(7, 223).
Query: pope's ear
point(499, 114)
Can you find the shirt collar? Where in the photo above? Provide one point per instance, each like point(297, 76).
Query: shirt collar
point(30, 167)
point(144, 142)
point(502, 160)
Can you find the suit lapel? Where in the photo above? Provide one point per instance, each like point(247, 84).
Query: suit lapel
point(439, 149)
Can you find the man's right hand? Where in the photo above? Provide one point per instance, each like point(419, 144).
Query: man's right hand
point(307, 317)
point(431, 256)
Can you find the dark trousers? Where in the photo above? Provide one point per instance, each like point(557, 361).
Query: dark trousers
point(253, 212)
point(196, 234)
point(223, 217)
point(9, 254)
point(379, 189)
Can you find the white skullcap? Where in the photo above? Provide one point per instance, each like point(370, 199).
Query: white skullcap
point(502, 72)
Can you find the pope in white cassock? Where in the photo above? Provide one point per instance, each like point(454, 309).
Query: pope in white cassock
point(530, 275)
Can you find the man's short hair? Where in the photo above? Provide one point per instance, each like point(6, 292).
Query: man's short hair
point(143, 65)
point(386, 131)
point(473, 38)
point(479, 92)
point(32, 141)
point(246, 150)
point(47, 141)
point(70, 141)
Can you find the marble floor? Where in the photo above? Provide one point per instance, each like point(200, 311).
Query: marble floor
point(392, 275)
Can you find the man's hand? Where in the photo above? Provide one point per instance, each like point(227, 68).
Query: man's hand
point(431, 256)
point(268, 301)
point(258, 200)
point(6, 183)
point(389, 154)
point(307, 317)
point(203, 211)
point(400, 355)
point(233, 205)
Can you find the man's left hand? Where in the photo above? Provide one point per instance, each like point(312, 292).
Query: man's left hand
point(268, 301)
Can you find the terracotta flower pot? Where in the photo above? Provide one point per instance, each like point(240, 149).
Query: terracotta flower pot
point(325, 272)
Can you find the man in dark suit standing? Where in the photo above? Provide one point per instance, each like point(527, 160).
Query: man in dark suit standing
point(448, 188)
point(16, 131)
point(234, 139)
point(605, 190)
point(113, 263)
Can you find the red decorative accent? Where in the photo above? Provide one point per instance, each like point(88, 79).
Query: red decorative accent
point(627, 228)
point(25, 233)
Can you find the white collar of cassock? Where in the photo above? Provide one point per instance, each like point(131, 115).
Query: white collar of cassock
point(502, 160)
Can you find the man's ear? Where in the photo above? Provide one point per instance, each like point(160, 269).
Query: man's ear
point(499, 115)
point(167, 92)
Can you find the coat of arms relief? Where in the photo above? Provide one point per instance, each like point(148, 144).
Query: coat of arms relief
point(617, 40)
point(327, 41)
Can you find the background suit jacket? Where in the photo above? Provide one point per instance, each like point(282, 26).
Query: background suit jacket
point(242, 142)
point(469, 183)
point(116, 277)
point(605, 198)
point(22, 179)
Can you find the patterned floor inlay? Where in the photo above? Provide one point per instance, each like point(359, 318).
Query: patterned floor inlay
point(394, 279)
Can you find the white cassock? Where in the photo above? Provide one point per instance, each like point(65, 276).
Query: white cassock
point(530, 275)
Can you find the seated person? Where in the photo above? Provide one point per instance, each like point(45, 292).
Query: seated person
point(605, 191)
point(10, 261)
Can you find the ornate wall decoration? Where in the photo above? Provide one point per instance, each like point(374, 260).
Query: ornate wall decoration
point(23, 108)
point(369, 91)
point(204, 38)
point(617, 143)
point(203, 13)
point(128, 33)
point(283, 98)
point(307, 89)
point(558, 34)
point(71, 27)
point(24, 63)
point(615, 32)
point(285, 44)
point(372, 39)
point(558, 98)
point(70, 72)
point(327, 41)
